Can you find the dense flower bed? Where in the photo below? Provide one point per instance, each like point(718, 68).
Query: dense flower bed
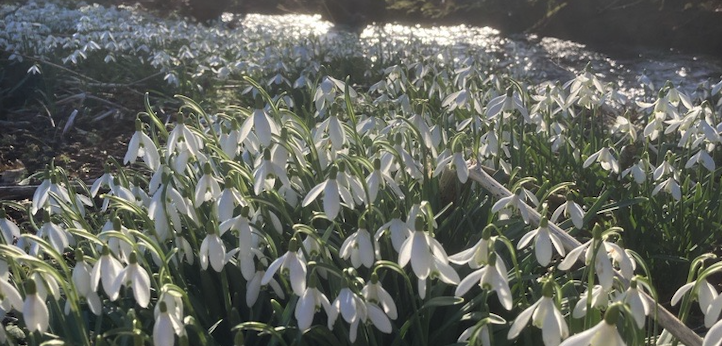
point(319, 211)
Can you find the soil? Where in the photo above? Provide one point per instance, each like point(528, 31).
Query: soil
point(29, 142)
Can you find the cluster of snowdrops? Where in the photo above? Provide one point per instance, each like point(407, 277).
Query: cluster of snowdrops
point(322, 213)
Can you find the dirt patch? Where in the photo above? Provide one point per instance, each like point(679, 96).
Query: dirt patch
point(29, 142)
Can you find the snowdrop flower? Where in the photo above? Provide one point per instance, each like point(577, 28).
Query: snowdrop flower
point(543, 241)
point(42, 198)
point(333, 193)
point(311, 301)
point(572, 210)
point(638, 170)
point(351, 183)
point(624, 126)
point(380, 178)
point(441, 270)
point(544, 315)
point(516, 201)
point(477, 255)
point(133, 276)
point(599, 300)
point(9, 229)
point(253, 287)
point(106, 269)
point(326, 93)
point(141, 145)
point(262, 123)
point(11, 296)
point(507, 103)
point(480, 331)
point(603, 264)
point(358, 247)
point(118, 245)
point(454, 161)
point(266, 172)
point(46, 284)
point(122, 192)
point(350, 306)
point(81, 281)
point(105, 180)
point(183, 144)
point(605, 157)
point(355, 310)
point(669, 186)
point(703, 157)
point(35, 312)
point(207, 188)
point(603, 334)
point(665, 169)
point(374, 293)
point(411, 166)
point(585, 89)
point(167, 325)
point(229, 200)
point(212, 250)
point(397, 229)
point(638, 305)
point(703, 291)
point(714, 335)
point(229, 139)
point(247, 242)
point(420, 249)
point(335, 130)
point(492, 277)
point(58, 238)
point(655, 126)
point(292, 264)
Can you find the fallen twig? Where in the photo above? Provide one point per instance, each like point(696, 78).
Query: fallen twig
point(665, 318)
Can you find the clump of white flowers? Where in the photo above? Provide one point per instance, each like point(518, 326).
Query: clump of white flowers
point(345, 197)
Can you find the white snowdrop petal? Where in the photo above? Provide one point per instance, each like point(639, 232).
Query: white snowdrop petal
point(714, 335)
point(379, 319)
point(521, 321)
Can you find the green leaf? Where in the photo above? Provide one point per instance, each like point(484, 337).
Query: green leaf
point(442, 301)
